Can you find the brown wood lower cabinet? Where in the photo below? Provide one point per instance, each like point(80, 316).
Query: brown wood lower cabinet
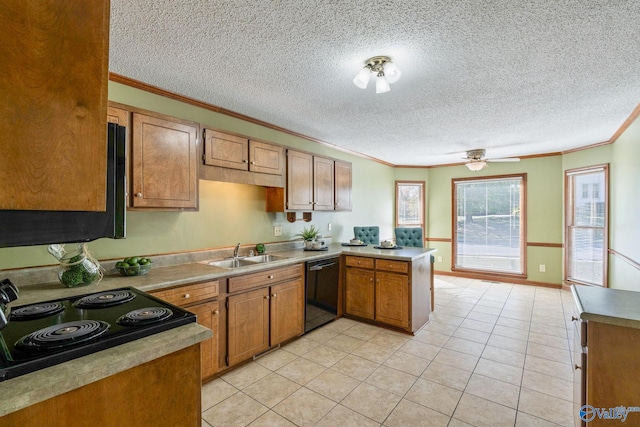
point(392, 299)
point(198, 299)
point(390, 292)
point(164, 392)
point(359, 292)
point(262, 318)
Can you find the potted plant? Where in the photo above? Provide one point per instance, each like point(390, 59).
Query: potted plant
point(308, 235)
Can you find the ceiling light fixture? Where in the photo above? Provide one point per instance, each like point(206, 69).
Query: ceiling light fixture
point(475, 165)
point(386, 72)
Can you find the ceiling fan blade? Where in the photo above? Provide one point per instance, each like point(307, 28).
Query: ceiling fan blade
point(505, 160)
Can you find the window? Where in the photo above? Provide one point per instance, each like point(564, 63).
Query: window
point(410, 204)
point(586, 225)
point(488, 224)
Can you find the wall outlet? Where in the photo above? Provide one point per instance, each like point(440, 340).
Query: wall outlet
point(543, 268)
point(277, 230)
point(439, 259)
point(329, 226)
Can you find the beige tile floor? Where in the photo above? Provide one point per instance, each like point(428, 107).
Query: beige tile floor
point(493, 354)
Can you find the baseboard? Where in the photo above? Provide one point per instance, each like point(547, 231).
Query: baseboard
point(492, 277)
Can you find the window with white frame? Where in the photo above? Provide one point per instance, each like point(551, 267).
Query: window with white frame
point(586, 225)
point(410, 204)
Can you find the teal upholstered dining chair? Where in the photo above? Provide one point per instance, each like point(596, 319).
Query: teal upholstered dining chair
point(368, 235)
point(409, 236)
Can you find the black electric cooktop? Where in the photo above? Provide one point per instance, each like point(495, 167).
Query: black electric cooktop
point(52, 332)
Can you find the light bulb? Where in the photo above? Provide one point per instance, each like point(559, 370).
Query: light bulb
point(362, 78)
point(392, 72)
point(475, 166)
point(382, 85)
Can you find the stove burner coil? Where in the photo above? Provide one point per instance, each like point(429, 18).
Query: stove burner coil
point(62, 335)
point(104, 299)
point(144, 316)
point(37, 311)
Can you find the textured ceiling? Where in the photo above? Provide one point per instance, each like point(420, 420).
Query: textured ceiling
point(516, 78)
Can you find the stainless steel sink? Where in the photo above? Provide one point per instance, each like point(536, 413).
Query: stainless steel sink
point(244, 261)
point(258, 259)
point(230, 263)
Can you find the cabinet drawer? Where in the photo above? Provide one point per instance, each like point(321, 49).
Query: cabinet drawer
point(391, 265)
point(189, 294)
point(358, 261)
point(265, 277)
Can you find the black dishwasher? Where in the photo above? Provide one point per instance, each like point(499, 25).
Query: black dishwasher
point(321, 294)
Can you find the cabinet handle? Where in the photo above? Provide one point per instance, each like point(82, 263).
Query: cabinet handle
point(253, 163)
point(577, 367)
point(245, 161)
point(270, 276)
point(216, 311)
point(266, 297)
point(186, 296)
point(371, 279)
point(274, 295)
point(138, 194)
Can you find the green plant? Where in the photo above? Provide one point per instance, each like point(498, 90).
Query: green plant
point(308, 234)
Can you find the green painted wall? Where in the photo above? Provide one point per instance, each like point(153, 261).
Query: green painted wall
point(624, 202)
point(229, 213)
point(544, 211)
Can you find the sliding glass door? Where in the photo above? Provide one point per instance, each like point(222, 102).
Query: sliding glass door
point(586, 229)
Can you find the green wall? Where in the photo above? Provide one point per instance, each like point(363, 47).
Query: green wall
point(229, 213)
point(624, 202)
point(544, 211)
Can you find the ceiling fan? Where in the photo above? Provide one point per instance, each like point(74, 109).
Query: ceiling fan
point(476, 160)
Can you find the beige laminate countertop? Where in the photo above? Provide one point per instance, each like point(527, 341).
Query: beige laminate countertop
point(34, 387)
point(26, 390)
point(612, 306)
point(182, 274)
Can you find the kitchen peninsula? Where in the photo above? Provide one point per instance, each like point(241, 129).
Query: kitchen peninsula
point(43, 385)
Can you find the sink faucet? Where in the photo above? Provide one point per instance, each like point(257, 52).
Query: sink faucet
point(235, 251)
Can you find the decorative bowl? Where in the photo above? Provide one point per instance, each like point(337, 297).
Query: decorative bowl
point(134, 270)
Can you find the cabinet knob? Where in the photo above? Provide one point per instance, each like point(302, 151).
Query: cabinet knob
point(185, 296)
point(574, 319)
point(273, 295)
point(371, 279)
point(253, 163)
point(245, 161)
point(270, 276)
point(577, 367)
point(138, 194)
point(266, 297)
point(216, 311)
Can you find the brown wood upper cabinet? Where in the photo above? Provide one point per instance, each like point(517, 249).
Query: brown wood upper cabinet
point(163, 162)
point(310, 182)
point(343, 185)
point(53, 149)
point(236, 152)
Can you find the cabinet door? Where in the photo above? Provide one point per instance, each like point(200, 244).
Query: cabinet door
point(227, 151)
point(266, 158)
point(359, 292)
point(343, 186)
point(392, 299)
point(163, 163)
point(208, 314)
point(299, 180)
point(248, 325)
point(287, 308)
point(323, 175)
point(53, 154)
